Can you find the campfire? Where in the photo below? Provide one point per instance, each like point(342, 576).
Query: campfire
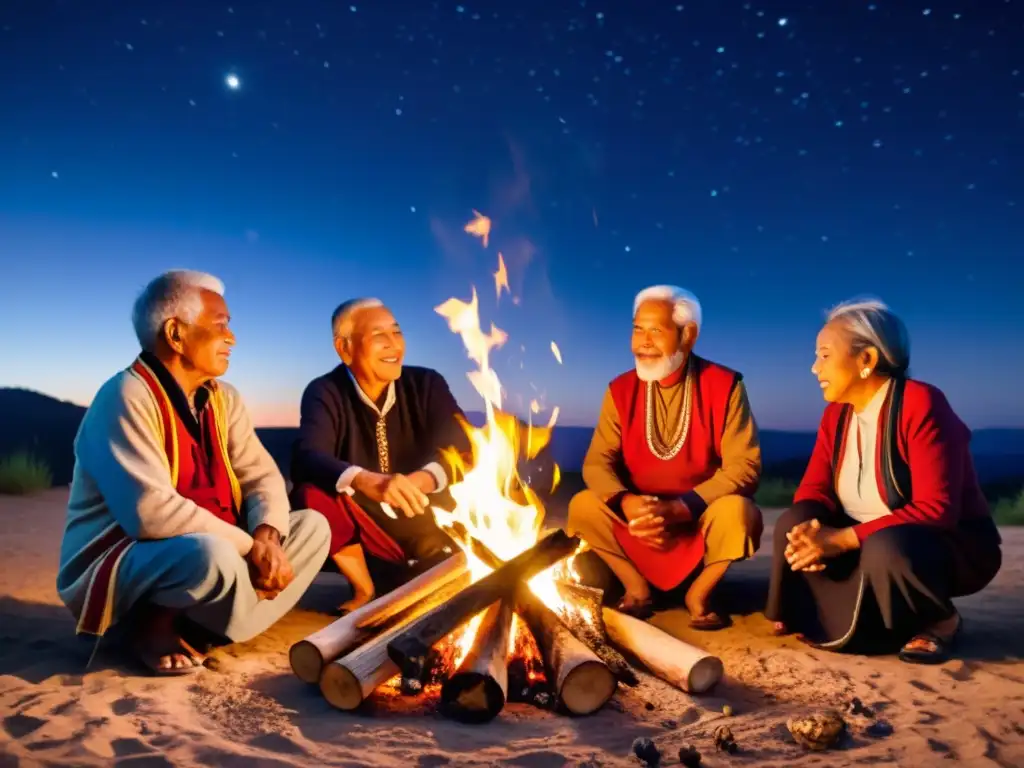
point(504, 619)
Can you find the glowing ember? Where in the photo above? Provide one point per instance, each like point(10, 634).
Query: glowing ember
point(501, 277)
point(526, 666)
point(556, 352)
point(480, 226)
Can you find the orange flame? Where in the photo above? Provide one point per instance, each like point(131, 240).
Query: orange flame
point(492, 503)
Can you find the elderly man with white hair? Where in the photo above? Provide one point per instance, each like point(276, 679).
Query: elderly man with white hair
point(372, 433)
point(672, 466)
point(178, 519)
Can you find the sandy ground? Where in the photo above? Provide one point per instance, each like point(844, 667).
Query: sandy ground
point(252, 711)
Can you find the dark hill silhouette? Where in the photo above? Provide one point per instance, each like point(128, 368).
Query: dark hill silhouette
point(47, 427)
point(41, 424)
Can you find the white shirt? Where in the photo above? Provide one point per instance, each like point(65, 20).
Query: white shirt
point(344, 484)
point(858, 481)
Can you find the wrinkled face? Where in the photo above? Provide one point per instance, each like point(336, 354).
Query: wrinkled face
point(204, 344)
point(659, 345)
point(836, 366)
point(376, 348)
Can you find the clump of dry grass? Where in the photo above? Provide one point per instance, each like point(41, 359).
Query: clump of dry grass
point(775, 493)
point(22, 473)
point(1009, 511)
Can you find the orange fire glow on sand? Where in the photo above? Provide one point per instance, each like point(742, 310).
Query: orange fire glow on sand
point(492, 503)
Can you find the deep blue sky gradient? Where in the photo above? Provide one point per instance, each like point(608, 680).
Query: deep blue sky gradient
point(774, 158)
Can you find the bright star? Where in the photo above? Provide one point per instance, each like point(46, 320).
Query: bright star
point(233, 82)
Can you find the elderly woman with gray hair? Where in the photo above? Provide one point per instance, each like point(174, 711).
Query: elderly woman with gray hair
point(889, 522)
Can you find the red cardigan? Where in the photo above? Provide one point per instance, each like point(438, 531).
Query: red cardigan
point(923, 462)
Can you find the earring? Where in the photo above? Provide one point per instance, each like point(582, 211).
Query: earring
point(865, 372)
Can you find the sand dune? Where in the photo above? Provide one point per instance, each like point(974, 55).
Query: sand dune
point(249, 710)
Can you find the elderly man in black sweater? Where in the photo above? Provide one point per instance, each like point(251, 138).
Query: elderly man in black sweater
point(369, 451)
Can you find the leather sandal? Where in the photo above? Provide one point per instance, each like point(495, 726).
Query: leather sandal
point(936, 651)
point(151, 661)
point(709, 622)
point(638, 609)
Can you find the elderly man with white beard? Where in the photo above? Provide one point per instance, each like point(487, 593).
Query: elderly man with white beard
point(672, 466)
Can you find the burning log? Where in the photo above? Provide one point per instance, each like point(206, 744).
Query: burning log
point(346, 682)
point(581, 681)
point(527, 678)
point(587, 624)
point(677, 663)
point(477, 690)
point(309, 656)
point(410, 648)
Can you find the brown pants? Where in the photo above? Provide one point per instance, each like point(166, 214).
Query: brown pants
point(731, 527)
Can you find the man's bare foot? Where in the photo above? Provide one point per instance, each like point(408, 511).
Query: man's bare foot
point(161, 649)
point(698, 596)
point(361, 597)
point(701, 617)
point(351, 562)
point(695, 604)
point(636, 604)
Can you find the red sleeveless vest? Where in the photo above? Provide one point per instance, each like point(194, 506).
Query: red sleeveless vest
point(698, 459)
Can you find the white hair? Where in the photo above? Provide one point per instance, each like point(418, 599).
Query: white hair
point(344, 316)
point(173, 295)
point(685, 307)
point(871, 323)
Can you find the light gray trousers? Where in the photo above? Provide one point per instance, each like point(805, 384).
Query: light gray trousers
point(205, 577)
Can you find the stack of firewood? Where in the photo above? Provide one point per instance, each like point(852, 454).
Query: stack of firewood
point(395, 635)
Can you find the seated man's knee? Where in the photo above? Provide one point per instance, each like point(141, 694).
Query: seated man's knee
point(309, 523)
point(309, 531)
point(584, 509)
point(737, 512)
point(433, 546)
point(207, 556)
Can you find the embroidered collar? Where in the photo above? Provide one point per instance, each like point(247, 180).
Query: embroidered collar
point(177, 394)
point(389, 399)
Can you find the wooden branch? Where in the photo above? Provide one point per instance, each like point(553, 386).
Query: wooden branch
point(410, 649)
point(477, 690)
point(677, 663)
point(346, 682)
point(587, 625)
point(309, 656)
point(581, 681)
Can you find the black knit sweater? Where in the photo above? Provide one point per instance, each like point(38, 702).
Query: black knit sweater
point(337, 431)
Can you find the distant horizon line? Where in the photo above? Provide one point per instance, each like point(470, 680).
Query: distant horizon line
point(257, 424)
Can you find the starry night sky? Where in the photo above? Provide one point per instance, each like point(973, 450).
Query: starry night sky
point(774, 158)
